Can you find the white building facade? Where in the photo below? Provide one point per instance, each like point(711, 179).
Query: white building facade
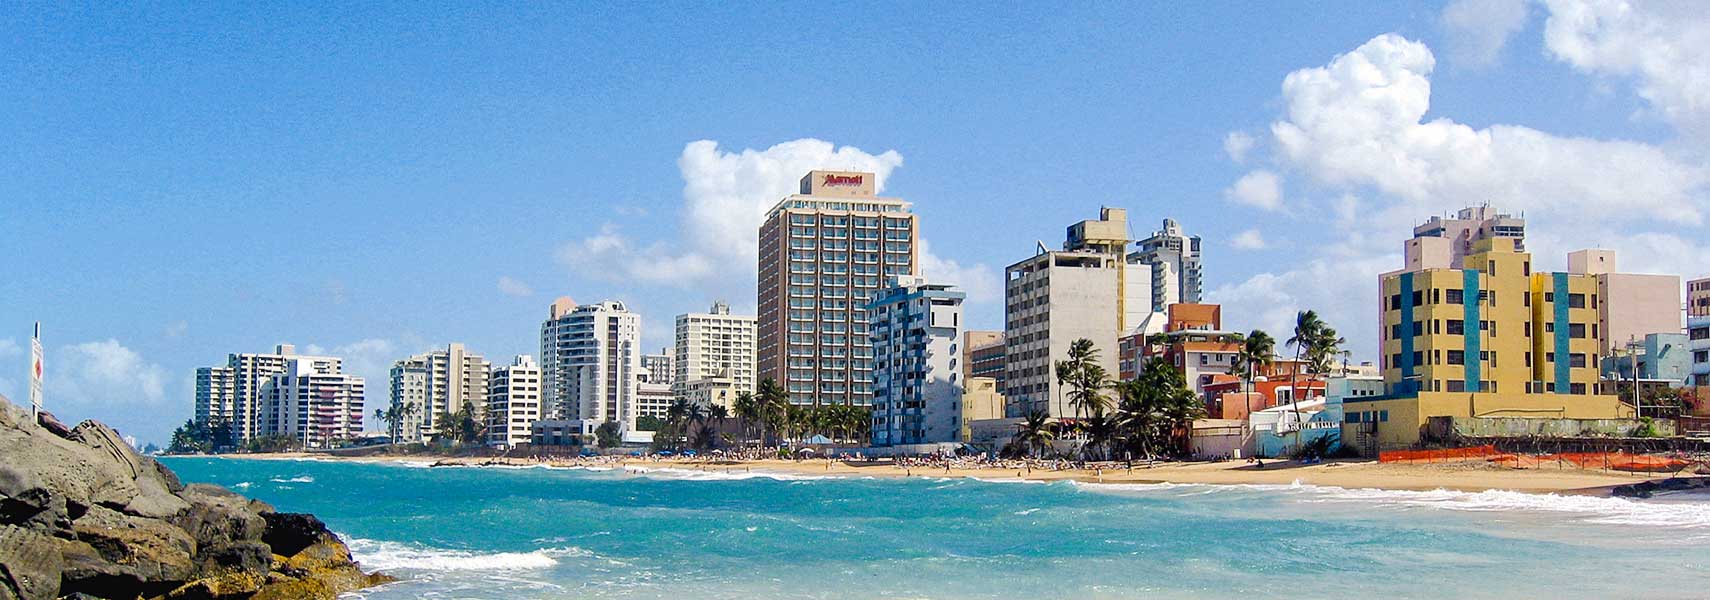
point(233, 392)
point(513, 402)
point(438, 383)
point(917, 386)
point(309, 402)
point(713, 344)
point(591, 363)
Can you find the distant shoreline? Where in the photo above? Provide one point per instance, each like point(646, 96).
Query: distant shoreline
point(1469, 476)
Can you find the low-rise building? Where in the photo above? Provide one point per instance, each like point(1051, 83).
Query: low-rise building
point(1698, 330)
point(716, 390)
point(980, 401)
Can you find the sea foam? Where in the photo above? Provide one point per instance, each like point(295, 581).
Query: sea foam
point(392, 556)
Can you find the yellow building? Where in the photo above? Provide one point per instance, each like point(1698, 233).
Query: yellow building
point(981, 401)
point(1486, 338)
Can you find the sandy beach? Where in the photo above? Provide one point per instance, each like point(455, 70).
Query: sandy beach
point(1469, 476)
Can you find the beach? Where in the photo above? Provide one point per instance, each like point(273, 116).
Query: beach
point(1466, 476)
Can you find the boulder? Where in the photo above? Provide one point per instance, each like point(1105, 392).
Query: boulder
point(30, 565)
point(149, 550)
point(290, 533)
point(215, 516)
point(23, 501)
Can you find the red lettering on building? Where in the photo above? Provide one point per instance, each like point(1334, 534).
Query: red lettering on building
point(842, 179)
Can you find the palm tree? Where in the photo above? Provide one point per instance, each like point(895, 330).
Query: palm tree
point(1308, 329)
point(1100, 430)
point(1085, 378)
point(1034, 432)
point(1255, 355)
point(773, 403)
point(748, 410)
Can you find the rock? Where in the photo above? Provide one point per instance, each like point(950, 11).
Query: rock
point(150, 550)
point(215, 517)
point(232, 586)
point(30, 566)
point(290, 533)
point(253, 558)
point(23, 501)
point(47, 421)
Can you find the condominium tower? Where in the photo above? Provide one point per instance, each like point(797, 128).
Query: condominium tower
point(823, 255)
point(1087, 290)
point(1698, 329)
point(513, 402)
point(1470, 226)
point(917, 379)
point(1174, 261)
point(714, 344)
point(591, 363)
point(311, 402)
point(232, 392)
point(435, 384)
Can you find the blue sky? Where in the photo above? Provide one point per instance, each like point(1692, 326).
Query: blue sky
point(179, 182)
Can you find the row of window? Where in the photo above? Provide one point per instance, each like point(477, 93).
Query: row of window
point(1454, 297)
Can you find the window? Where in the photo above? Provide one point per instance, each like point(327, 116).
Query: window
point(1395, 302)
point(1549, 327)
point(1549, 296)
point(1456, 327)
point(1383, 415)
point(1457, 357)
point(1418, 298)
point(1528, 360)
point(1576, 388)
point(1701, 356)
point(1454, 296)
point(1700, 333)
point(1576, 360)
point(1576, 300)
point(1528, 298)
point(1576, 330)
point(1456, 385)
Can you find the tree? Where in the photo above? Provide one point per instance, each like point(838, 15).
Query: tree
point(189, 438)
point(1157, 410)
point(608, 435)
point(748, 410)
point(395, 415)
point(1084, 378)
point(773, 404)
point(1256, 354)
point(1035, 432)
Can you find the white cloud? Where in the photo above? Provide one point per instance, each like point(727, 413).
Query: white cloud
point(1259, 189)
point(513, 287)
point(726, 196)
point(177, 328)
point(1237, 144)
point(1250, 239)
point(103, 378)
point(1357, 122)
point(1661, 45)
point(1480, 28)
point(1341, 286)
point(9, 347)
point(981, 283)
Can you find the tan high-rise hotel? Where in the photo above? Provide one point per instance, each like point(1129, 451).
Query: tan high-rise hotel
point(824, 253)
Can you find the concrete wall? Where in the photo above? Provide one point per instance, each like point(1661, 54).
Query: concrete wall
point(1521, 427)
point(1213, 438)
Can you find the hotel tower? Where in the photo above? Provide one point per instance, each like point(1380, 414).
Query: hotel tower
point(824, 253)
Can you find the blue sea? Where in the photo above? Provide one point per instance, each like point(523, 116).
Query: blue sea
point(498, 532)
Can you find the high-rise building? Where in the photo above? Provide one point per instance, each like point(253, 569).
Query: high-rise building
point(1632, 305)
point(1088, 290)
point(513, 402)
point(437, 383)
point(1698, 329)
point(591, 363)
point(823, 254)
point(982, 354)
point(1470, 226)
point(713, 344)
point(1173, 259)
point(233, 392)
point(917, 378)
point(311, 402)
point(656, 368)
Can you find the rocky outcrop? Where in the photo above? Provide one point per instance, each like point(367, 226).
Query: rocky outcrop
point(83, 516)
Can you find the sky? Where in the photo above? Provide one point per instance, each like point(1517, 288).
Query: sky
point(179, 182)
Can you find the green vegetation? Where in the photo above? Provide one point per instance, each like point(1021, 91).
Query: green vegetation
point(1153, 415)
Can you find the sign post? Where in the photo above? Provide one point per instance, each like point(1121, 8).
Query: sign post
point(36, 373)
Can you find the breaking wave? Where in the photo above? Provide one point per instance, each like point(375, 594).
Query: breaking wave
point(700, 475)
point(392, 556)
point(299, 479)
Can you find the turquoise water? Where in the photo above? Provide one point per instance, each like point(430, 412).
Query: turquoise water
point(568, 533)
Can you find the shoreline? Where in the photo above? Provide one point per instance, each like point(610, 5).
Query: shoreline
point(1468, 476)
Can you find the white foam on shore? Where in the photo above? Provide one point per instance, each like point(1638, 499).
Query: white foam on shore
point(1592, 509)
point(704, 475)
point(392, 556)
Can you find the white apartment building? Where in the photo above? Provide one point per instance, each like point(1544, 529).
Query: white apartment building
point(656, 368)
point(513, 402)
point(1468, 226)
point(591, 363)
point(1173, 261)
point(233, 391)
point(1088, 290)
point(707, 392)
point(1698, 329)
point(714, 344)
point(823, 253)
point(438, 383)
point(653, 399)
point(917, 370)
point(311, 402)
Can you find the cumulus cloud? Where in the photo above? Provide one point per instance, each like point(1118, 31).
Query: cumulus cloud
point(1250, 239)
point(982, 284)
point(513, 287)
point(1661, 45)
point(104, 377)
point(1358, 122)
point(725, 197)
point(1237, 144)
point(1259, 189)
point(1480, 28)
point(1355, 130)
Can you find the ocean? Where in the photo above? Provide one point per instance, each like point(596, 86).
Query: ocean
point(507, 532)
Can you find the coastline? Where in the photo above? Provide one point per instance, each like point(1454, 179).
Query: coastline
point(1469, 476)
